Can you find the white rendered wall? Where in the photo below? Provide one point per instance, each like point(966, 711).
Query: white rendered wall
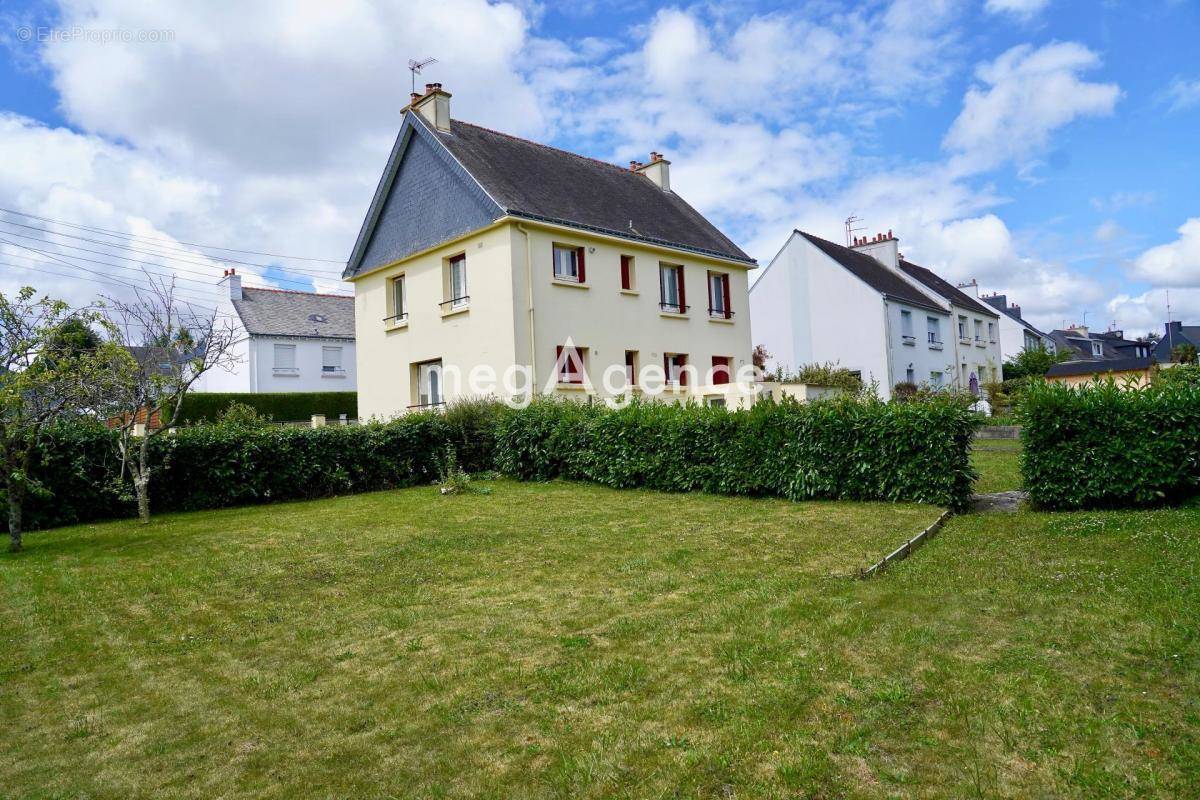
point(309, 377)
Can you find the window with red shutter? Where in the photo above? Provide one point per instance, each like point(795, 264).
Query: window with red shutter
point(627, 272)
point(673, 365)
point(721, 369)
point(569, 263)
point(570, 364)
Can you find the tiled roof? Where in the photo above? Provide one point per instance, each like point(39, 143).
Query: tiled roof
point(946, 289)
point(275, 312)
point(544, 183)
point(871, 272)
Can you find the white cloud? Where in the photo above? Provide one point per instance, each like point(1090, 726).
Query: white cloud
point(1023, 9)
point(1182, 94)
point(1026, 95)
point(1119, 201)
point(1138, 314)
point(1174, 264)
point(1108, 231)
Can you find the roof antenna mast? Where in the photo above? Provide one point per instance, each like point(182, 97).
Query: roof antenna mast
point(415, 68)
point(851, 230)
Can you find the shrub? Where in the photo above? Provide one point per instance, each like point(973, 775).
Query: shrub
point(827, 374)
point(242, 414)
point(1103, 446)
point(849, 448)
point(904, 391)
point(1176, 375)
point(473, 423)
point(199, 407)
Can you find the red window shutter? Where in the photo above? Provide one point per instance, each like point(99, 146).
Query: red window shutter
point(708, 282)
point(682, 295)
point(667, 366)
point(682, 359)
point(625, 271)
point(720, 369)
point(562, 364)
point(728, 299)
point(582, 274)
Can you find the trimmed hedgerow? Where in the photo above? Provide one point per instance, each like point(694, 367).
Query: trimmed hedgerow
point(1103, 445)
point(213, 466)
point(200, 407)
point(853, 449)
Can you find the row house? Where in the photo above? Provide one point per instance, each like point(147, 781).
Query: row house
point(1016, 332)
point(482, 251)
point(874, 313)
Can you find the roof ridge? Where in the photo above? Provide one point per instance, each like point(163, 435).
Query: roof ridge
point(296, 291)
point(522, 139)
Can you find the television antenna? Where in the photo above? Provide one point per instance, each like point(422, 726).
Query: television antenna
point(415, 68)
point(851, 230)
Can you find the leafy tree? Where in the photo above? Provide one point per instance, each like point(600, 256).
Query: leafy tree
point(1032, 362)
point(1184, 353)
point(51, 365)
point(165, 346)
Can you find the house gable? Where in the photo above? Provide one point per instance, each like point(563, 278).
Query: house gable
point(424, 198)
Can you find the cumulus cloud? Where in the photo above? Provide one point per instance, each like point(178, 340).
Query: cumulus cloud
point(1174, 264)
point(1142, 313)
point(1022, 98)
point(1023, 9)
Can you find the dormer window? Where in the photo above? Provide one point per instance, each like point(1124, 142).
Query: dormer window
point(568, 263)
point(1097, 349)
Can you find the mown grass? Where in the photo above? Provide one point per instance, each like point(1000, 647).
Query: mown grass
point(996, 461)
point(571, 641)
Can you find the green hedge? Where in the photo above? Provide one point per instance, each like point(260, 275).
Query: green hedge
point(841, 449)
point(213, 466)
point(201, 407)
point(1103, 446)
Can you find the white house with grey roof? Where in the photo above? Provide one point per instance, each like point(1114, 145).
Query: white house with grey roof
point(1016, 332)
point(482, 253)
point(291, 342)
point(819, 302)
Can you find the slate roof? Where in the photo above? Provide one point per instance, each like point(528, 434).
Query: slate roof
point(1099, 366)
point(1000, 303)
point(534, 180)
point(1112, 345)
point(946, 289)
point(276, 312)
point(874, 274)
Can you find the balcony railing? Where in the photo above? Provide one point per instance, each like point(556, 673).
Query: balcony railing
point(438, 404)
point(909, 339)
point(456, 302)
point(396, 317)
point(674, 308)
point(720, 313)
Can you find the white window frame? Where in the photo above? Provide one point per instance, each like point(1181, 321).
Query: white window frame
point(399, 300)
point(716, 286)
point(326, 367)
point(281, 366)
point(566, 263)
point(1097, 350)
point(457, 265)
point(430, 390)
point(669, 278)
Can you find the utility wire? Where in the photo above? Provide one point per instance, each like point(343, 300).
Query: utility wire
point(168, 252)
point(172, 241)
point(305, 283)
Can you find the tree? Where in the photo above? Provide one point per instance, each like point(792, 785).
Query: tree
point(1032, 362)
point(1184, 353)
point(166, 345)
point(51, 363)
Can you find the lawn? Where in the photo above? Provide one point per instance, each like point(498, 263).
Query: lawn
point(563, 640)
point(996, 462)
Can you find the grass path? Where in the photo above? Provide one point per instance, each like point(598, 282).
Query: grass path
point(573, 641)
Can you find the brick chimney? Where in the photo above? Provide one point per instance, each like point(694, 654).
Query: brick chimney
point(658, 170)
point(434, 106)
point(883, 247)
point(234, 281)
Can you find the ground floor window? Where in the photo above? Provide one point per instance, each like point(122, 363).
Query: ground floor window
point(721, 369)
point(673, 366)
point(429, 383)
point(570, 364)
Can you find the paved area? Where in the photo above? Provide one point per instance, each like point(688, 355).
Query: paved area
point(999, 501)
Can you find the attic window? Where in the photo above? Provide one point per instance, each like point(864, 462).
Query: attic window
point(318, 318)
point(1097, 349)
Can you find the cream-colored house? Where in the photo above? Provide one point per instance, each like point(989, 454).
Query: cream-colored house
point(489, 264)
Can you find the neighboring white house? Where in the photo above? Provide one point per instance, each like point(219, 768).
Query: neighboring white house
point(818, 301)
point(1016, 334)
point(483, 253)
point(290, 342)
point(873, 313)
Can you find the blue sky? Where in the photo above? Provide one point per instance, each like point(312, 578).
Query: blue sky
point(1045, 148)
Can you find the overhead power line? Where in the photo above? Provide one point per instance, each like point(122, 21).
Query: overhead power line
point(212, 277)
point(164, 252)
point(173, 241)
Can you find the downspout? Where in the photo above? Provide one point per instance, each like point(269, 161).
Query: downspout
point(529, 301)
point(887, 337)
